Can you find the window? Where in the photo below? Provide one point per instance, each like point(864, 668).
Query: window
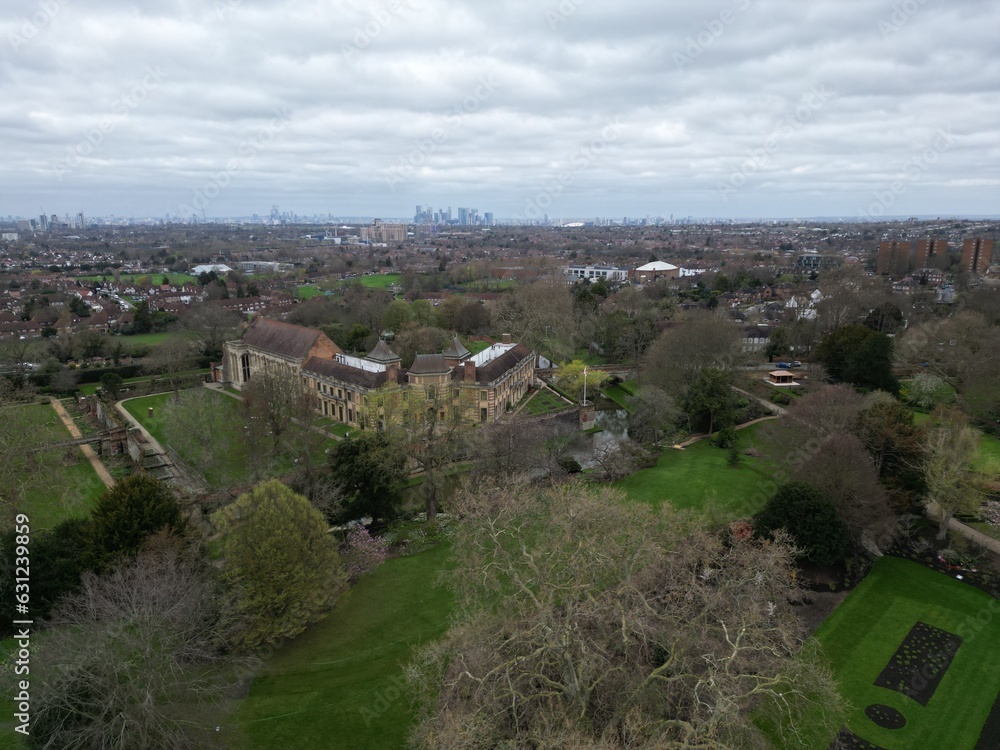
point(483, 413)
point(317, 385)
point(350, 415)
point(339, 394)
point(483, 395)
point(431, 391)
point(350, 396)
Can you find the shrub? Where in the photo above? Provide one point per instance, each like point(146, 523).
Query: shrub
point(810, 518)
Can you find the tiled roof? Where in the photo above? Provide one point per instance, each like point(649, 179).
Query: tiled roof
point(382, 353)
point(455, 350)
point(284, 339)
point(429, 364)
point(345, 373)
point(507, 361)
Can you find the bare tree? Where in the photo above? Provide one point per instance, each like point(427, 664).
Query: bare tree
point(170, 359)
point(842, 469)
point(274, 398)
point(952, 482)
point(542, 317)
point(703, 341)
point(510, 447)
point(131, 661)
point(591, 622)
point(212, 325)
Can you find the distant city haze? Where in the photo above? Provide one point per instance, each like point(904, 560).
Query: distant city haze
point(529, 111)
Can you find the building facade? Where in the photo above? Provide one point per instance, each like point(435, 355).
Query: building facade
point(977, 254)
point(353, 390)
point(271, 345)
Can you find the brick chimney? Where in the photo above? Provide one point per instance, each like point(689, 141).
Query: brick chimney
point(392, 372)
point(469, 375)
point(505, 338)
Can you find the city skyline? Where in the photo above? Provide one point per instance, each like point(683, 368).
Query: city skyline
point(575, 109)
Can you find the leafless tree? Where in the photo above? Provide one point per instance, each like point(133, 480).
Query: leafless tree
point(843, 470)
point(509, 447)
point(212, 325)
point(170, 359)
point(704, 340)
point(810, 420)
point(541, 316)
point(953, 484)
point(591, 622)
point(131, 660)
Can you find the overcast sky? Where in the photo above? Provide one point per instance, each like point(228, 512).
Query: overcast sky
point(731, 108)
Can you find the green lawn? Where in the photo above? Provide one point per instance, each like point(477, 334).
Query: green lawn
point(379, 281)
point(699, 477)
point(223, 474)
point(89, 389)
point(544, 402)
point(70, 485)
point(340, 684)
point(476, 346)
point(152, 339)
point(307, 292)
point(989, 456)
point(863, 633)
point(233, 469)
point(619, 395)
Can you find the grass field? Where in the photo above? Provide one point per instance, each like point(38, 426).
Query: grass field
point(69, 486)
point(232, 468)
point(307, 292)
point(544, 402)
point(619, 395)
point(379, 281)
point(700, 478)
point(88, 389)
point(340, 684)
point(476, 346)
point(863, 633)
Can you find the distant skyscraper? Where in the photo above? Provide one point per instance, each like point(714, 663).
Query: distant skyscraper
point(488, 218)
point(463, 216)
point(977, 254)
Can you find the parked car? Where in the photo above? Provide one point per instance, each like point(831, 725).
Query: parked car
point(784, 366)
point(796, 363)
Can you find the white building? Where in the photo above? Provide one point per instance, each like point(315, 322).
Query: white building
point(593, 273)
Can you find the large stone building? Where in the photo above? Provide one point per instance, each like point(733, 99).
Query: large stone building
point(272, 345)
point(482, 387)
